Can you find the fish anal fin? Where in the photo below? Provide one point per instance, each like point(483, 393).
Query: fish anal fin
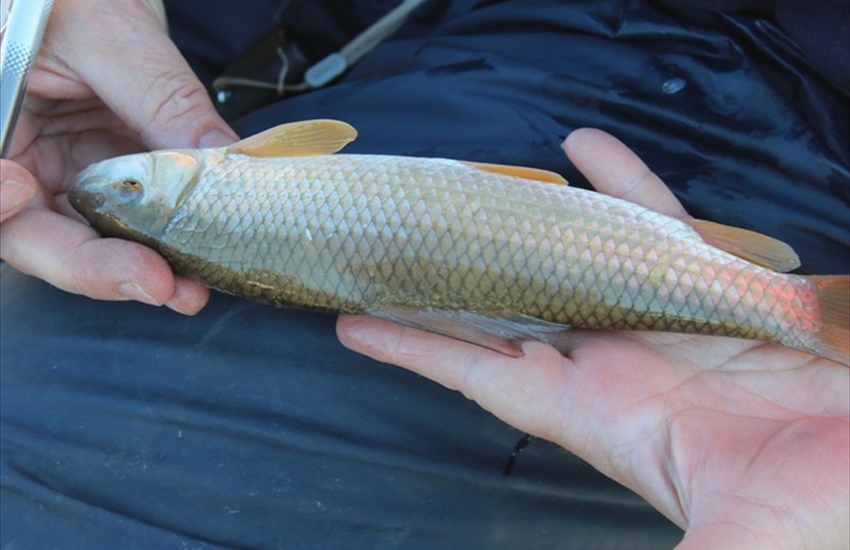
point(749, 245)
point(305, 138)
point(524, 172)
point(500, 332)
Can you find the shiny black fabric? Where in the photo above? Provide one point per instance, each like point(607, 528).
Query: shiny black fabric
point(250, 427)
point(726, 108)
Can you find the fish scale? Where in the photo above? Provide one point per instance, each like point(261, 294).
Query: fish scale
point(360, 238)
point(373, 234)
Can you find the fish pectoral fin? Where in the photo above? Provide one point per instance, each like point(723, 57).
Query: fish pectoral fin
point(749, 245)
point(500, 332)
point(297, 139)
point(523, 172)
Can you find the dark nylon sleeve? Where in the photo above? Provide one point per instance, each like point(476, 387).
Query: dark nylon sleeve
point(125, 426)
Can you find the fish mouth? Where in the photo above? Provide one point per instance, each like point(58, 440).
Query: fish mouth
point(82, 198)
point(87, 203)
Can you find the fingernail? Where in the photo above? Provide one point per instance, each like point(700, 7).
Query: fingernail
point(216, 138)
point(174, 307)
point(15, 195)
point(134, 291)
point(187, 299)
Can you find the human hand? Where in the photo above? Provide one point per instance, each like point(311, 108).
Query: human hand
point(108, 81)
point(743, 444)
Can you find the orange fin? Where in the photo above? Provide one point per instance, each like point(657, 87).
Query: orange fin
point(523, 172)
point(501, 332)
point(833, 339)
point(297, 139)
point(749, 245)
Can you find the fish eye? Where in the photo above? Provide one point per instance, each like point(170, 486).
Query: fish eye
point(128, 191)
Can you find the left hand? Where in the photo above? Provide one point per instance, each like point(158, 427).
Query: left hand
point(108, 81)
point(743, 444)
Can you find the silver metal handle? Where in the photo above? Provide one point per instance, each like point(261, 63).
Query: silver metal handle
point(22, 24)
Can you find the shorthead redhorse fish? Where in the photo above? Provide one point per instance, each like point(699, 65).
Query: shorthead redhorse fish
point(485, 253)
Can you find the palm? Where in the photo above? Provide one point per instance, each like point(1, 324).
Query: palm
point(55, 140)
point(711, 442)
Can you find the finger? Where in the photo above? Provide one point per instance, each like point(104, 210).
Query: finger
point(413, 349)
point(17, 188)
point(132, 64)
point(613, 169)
point(72, 257)
point(189, 297)
point(584, 404)
point(517, 390)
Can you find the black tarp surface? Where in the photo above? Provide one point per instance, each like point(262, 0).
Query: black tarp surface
point(125, 426)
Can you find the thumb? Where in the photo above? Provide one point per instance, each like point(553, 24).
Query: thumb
point(17, 188)
point(133, 66)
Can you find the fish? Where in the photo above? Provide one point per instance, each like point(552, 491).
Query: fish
point(490, 254)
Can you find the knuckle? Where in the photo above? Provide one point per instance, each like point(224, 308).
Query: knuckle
point(636, 184)
point(88, 274)
point(79, 275)
point(176, 100)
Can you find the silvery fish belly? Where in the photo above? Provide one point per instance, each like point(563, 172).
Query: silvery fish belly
point(490, 254)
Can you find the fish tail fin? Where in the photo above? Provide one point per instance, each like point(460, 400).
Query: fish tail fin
point(833, 339)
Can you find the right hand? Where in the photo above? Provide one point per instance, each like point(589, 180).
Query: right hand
point(743, 444)
point(108, 81)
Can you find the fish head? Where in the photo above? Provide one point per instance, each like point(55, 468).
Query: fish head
point(134, 196)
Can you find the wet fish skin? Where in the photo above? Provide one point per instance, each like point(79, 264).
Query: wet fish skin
point(377, 234)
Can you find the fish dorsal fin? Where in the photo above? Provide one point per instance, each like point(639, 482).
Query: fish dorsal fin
point(749, 245)
point(503, 332)
point(297, 139)
point(524, 172)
